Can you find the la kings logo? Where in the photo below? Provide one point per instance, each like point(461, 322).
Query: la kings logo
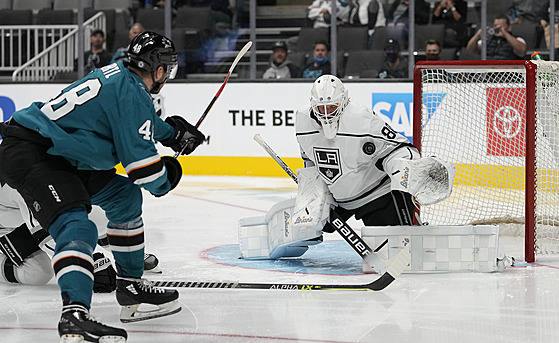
point(328, 163)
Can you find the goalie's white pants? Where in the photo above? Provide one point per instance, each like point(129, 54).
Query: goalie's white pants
point(274, 236)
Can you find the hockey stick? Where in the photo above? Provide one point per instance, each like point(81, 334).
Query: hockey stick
point(371, 257)
point(211, 104)
point(377, 285)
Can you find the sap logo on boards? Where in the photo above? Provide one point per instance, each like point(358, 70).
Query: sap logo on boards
point(397, 109)
point(7, 108)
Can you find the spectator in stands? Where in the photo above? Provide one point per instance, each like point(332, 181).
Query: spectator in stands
point(397, 17)
point(280, 66)
point(534, 11)
point(452, 13)
point(122, 52)
point(395, 66)
point(368, 13)
point(320, 64)
point(501, 44)
point(320, 12)
point(432, 50)
point(531, 11)
point(97, 57)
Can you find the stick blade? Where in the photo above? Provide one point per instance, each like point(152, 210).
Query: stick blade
point(399, 263)
point(382, 282)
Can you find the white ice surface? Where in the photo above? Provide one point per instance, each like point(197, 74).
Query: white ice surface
point(517, 305)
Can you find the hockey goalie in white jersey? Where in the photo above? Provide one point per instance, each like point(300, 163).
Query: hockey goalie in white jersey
point(354, 162)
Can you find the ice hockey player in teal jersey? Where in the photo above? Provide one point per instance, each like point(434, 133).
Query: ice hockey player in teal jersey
point(60, 156)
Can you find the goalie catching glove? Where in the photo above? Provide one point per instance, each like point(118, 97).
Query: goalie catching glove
point(428, 179)
point(186, 136)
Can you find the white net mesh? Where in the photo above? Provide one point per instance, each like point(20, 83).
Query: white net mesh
point(475, 117)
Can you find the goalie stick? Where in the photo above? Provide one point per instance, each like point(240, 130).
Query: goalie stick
point(398, 263)
point(211, 104)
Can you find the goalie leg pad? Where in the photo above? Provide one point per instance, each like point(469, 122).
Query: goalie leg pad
point(467, 248)
point(273, 235)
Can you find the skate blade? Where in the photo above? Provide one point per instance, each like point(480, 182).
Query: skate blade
point(129, 314)
point(79, 338)
point(154, 270)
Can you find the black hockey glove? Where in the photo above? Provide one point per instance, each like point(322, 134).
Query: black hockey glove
point(186, 136)
point(104, 274)
point(174, 172)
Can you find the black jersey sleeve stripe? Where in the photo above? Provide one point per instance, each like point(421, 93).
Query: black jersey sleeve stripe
point(409, 146)
point(8, 270)
point(146, 171)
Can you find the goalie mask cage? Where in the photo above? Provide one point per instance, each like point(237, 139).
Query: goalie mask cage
point(497, 122)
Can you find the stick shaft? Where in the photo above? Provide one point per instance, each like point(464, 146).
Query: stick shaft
point(379, 284)
point(211, 104)
point(275, 156)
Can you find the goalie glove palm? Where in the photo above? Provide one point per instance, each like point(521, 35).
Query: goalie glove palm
point(428, 179)
point(186, 137)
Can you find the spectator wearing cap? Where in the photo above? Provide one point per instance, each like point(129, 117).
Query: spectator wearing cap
point(320, 64)
point(280, 66)
point(395, 66)
point(97, 57)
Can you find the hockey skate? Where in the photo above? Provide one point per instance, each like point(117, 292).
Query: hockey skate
point(76, 325)
point(132, 292)
point(151, 264)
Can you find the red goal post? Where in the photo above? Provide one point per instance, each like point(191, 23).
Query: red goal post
point(497, 121)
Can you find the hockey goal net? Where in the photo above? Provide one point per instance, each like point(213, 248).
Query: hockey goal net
point(497, 121)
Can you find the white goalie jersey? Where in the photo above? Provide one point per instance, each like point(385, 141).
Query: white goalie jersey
point(353, 163)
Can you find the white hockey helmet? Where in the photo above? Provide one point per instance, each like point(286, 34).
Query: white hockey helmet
point(328, 90)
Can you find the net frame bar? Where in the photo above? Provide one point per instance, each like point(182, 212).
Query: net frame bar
point(530, 134)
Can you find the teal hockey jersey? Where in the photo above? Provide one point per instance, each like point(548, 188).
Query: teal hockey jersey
point(104, 119)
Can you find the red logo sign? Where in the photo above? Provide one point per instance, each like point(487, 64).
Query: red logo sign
point(506, 121)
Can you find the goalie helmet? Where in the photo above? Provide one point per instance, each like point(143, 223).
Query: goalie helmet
point(149, 50)
point(329, 97)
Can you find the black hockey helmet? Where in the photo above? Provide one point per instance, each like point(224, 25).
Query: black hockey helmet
point(149, 50)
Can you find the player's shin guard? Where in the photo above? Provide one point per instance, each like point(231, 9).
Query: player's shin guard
point(75, 236)
point(132, 292)
point(127, 246)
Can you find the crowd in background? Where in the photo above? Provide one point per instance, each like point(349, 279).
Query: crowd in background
point(515, 29)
